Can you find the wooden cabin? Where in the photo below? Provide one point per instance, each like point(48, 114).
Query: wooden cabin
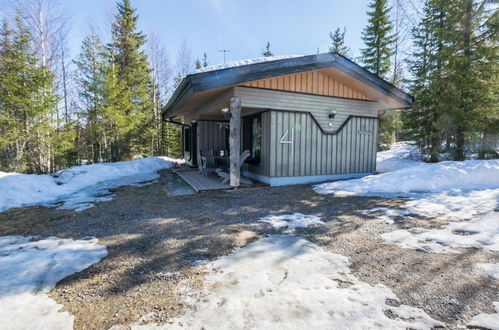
point(303, 119)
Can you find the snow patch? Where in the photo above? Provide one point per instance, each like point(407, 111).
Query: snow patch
point(480, 232)
point(491, 270)
point(487, 321)
point(77, 187)
point(287, 282)
point(30, 268)
point(467, 193)
point(401, 154)
point(249, 61)
point(291, 221)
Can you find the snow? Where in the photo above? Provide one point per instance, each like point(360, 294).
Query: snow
point(466, 193)
point(400, 155)
point(232, 64)
point(287, 282)
point(31, 266)
point(487, 321)
point(480, 232)
point(291, 221)
point(491, 270)
point(420, 179)
point(77, 187)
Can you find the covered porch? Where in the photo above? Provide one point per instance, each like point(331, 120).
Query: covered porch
point(222, 139)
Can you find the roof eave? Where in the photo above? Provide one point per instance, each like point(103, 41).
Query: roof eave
point(198, 82)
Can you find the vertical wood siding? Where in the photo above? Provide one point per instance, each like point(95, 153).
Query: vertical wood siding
point(210, 136)
point(311, 82)
point(352, 150)
point(319, 106)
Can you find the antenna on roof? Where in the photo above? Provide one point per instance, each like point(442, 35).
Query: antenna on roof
point(224, 51)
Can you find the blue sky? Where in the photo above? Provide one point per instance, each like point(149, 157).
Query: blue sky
point(243, 26)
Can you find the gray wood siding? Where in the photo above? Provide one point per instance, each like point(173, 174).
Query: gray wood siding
point(210, 136)
point(319, 106)
point(352, 150)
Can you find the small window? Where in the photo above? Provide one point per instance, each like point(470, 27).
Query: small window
point(187, 139)
point(252, 137)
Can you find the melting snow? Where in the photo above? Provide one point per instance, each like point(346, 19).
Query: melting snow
point(487, 321)
point(287, 282)
point(467, 193)
point(400, 155)
point(232, 64)
point(291, 221)
point(30, 268)
point(77, 187)
point(491, 270)
point(415, 181)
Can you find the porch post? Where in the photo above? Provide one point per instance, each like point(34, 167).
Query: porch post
point(235, 141)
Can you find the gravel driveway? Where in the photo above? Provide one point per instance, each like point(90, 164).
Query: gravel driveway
point(155, 240)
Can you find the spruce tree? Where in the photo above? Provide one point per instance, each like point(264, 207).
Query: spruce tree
point(205, 60)
point(455, 86)
point(27, 101)
point(428, 121)
point(377, 39)
point(267, 52)
point(198, 64)
point(132, 84)
point(338, 42)
point(472, 71)
point(90, 77)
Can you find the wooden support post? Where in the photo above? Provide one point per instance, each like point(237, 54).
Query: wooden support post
point(235, 141)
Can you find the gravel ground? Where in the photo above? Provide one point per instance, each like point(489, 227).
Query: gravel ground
point(155, 238)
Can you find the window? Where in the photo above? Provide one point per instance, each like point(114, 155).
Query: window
point(252, 137)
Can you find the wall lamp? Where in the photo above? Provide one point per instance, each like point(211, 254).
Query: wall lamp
point(225, 112)
point(332, 114)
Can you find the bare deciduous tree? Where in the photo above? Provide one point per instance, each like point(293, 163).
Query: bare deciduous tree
point(161, 74)
point(184, 63)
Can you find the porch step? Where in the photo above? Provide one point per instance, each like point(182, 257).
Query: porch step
point(200, 182)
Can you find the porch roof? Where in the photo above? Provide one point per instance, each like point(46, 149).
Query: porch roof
point(199, 88)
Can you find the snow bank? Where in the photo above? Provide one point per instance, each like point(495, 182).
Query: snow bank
point(424, 178)
point(291, 221)
point(30, 267)
point(79, 186)
point(232, 64)
point(401, 154)
point(287, 282)
point(486, 321)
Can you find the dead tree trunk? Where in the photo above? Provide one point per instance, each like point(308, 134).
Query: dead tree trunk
point(235, 141)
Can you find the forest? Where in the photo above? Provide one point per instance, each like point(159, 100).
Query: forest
point(105, 104)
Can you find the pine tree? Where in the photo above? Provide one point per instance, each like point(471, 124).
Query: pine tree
point(205, 60)
point(377, 39)
point(267, 52)
point(132, 84)
point(338, 42)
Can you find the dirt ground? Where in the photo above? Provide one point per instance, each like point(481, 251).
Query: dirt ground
point(154, 239)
